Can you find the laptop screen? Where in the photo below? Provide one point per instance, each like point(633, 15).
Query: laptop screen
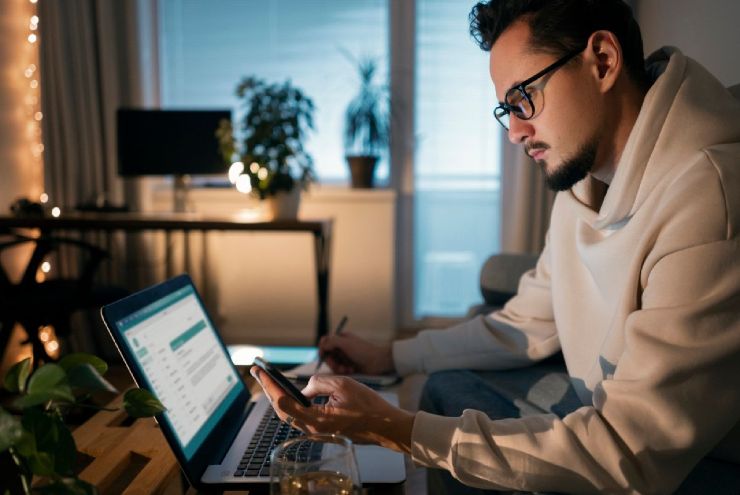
point(181, 357)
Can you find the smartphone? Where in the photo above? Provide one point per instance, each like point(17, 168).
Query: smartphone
point(281, 380)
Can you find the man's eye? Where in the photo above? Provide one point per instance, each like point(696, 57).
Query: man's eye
point(515, 98)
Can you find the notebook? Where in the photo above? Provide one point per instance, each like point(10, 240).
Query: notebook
point(220, 433)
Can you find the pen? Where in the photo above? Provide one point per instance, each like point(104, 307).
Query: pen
point(339, 329)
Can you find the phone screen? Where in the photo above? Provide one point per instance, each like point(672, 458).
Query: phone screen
point(281, 380)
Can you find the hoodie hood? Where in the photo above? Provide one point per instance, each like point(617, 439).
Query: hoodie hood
point(664, 135)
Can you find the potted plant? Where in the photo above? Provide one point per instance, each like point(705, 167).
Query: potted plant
point(366, 126)
point(35, 442)
point(272, 161)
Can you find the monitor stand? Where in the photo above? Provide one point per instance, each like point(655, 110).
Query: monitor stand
point(181, 188)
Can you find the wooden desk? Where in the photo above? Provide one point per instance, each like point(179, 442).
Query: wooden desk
point(188, 222)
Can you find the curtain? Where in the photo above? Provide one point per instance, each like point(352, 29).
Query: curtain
point(95, 56)
point(526, 202)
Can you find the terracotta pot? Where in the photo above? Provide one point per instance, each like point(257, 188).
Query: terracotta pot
point(284, 204)
point(362, 170)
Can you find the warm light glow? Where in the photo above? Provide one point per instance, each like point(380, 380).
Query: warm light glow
point(48, 336)
point(32, 38)
point(243, 184)
point(52, 348)
point(254, 167)
point(33, 1)
point(235, 171)
point(34, 84)
point(44, 198)
point(46, 267)
point(56, 211)
point(38, 116)
point(34, 19)
point(243, 355)
point(262, 174)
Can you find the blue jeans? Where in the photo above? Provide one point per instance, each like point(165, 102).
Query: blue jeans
point(543, 388)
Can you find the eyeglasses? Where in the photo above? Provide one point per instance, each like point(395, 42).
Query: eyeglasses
point(520, 100)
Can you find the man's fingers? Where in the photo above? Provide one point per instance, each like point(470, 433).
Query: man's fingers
point(271, 388)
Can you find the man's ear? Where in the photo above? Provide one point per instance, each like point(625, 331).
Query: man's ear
point(605, 55)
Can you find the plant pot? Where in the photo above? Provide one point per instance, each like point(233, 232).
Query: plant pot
point(362, 170)
point(284, 204)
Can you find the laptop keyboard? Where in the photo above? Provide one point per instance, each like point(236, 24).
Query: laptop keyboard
point(270, 433)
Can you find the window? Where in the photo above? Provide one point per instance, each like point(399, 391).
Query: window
point(206, 48)
point(456, 176)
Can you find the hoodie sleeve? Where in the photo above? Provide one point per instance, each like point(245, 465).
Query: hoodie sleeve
point(521, 333)
point(672, 398)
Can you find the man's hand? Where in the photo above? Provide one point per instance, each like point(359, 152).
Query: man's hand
point(353, 410)
point(346, 353)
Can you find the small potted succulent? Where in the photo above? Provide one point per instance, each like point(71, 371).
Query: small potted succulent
point(269, 144)
point(366, 126)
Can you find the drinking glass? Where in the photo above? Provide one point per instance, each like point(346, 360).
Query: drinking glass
point(320, 464)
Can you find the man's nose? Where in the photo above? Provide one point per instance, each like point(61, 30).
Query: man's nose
point(519, 130)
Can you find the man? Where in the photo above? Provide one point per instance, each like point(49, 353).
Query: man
point(638, 284)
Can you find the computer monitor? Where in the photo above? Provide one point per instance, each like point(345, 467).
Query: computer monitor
point(169, 142)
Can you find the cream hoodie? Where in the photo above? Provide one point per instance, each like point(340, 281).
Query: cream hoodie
point(643, 298)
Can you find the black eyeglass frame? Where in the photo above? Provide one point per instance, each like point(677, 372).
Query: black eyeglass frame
point(504, 108)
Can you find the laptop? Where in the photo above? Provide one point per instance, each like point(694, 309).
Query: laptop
point(221, 434)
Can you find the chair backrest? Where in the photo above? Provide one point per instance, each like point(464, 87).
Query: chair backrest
point(500, 274)
point(735, 91)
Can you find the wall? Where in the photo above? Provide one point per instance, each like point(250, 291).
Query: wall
point(20, 175)
point(261, 285)
point(706, 31)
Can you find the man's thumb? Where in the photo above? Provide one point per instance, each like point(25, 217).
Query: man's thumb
point(320, 385)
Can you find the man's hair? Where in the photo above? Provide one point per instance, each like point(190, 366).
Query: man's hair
point(562, 26)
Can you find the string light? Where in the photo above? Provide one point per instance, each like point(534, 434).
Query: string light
point(47, 335)
point(32, 99)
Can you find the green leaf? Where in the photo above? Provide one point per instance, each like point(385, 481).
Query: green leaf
point(10, 430)
point(53, 451)
point(140, 403)
point(73, 360)
point(67, 486)
point(46, 378)
point(63, 393)
point(15, 379)
point(86, 376)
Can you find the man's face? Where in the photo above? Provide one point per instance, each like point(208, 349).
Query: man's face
point(563, 134)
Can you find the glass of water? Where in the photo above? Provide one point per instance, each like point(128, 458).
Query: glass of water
point(320, 464)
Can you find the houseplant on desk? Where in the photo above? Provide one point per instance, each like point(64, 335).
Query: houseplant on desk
point(273, 163)
point(366, 126)
point(35, 442)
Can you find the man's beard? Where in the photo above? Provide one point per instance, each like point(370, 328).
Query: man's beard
point(573, 169)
